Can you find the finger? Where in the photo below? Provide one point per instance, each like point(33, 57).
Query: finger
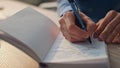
point(91, 26)
point(116, 39)
point(70, 37)
point(97, 25)
point(66, 27)
point(63, 28)
point(99, 22)
point(77, 33)
point(109, 16)
point(75, 39)
point(114, 33)
point(111, 27)
point(62, 25)
point(69, 18)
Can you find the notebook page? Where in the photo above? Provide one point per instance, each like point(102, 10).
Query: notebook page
point(65, 51)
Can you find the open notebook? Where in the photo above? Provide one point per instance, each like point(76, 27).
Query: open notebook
point(40, 38)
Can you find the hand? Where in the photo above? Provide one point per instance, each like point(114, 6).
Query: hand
point(71, 31)
point(108, 29)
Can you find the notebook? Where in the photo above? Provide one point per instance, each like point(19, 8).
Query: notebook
point(40, 38)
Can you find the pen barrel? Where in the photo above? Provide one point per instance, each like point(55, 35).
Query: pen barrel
point(76, 13)
point(79, 22)
point(78, 19)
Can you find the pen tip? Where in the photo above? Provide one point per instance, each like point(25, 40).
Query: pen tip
point(90, 41)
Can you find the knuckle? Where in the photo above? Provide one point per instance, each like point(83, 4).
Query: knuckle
point(69, 32)
point(64, 15)
point(85, 36)
point(71, 26)
point(118, 15)
point(115, 31)
point(68, 14)
point(87, 18)
point(112, 11)
point(92, 25)
point(110, 25)
point(101, 38)
point(60, 20)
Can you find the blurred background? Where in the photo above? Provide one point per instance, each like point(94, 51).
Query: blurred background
point(47, 4)
point(9, 7)
point(34, 2)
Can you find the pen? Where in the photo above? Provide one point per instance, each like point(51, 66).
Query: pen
point(76, 13)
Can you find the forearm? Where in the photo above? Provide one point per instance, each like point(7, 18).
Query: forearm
point(63, 6)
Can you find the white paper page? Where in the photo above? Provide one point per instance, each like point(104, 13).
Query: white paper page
point(65, 51)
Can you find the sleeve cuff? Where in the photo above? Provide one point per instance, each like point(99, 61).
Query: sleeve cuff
point(68, 8)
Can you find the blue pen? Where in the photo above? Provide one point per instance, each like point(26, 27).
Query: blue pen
point(76, 13)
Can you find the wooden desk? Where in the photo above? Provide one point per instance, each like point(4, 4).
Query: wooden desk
point(11, 57)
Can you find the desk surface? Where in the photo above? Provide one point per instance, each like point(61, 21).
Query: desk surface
point(10, 57)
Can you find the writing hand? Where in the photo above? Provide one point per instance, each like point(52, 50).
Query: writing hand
point(108, 29)
point(71, 31)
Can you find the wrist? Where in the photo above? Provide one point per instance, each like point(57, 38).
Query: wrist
point(66, 12)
